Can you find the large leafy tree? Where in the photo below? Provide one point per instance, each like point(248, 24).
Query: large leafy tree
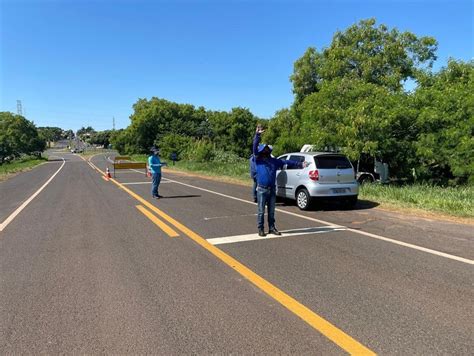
point(366, 52)
point(444, 103)
point(358, 117)
point(350, 96)
point(18, 136)
point(307, 74)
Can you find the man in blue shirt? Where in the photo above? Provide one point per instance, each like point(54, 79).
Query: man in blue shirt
point(154, 166)
point(253, 175)
point(266, 167)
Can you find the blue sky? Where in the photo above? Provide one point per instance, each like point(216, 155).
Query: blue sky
point(79, 63)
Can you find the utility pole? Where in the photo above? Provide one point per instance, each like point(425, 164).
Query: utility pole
point(19, 109)
point(113, 123)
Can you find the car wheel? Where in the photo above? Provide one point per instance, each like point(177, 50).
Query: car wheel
point(365, 179)
point(303, 199)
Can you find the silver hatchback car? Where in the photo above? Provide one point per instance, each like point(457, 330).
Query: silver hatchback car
point(328, 176)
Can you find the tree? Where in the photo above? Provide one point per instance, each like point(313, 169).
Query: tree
point(366, 52)
point(233, 131)
point(68, 135)
point(18, 136)
point(50, 134)
point(283, 132)
point(84, 133)
point(306, 75)
point(444, 103)
point(358, 117)
point(101, 138)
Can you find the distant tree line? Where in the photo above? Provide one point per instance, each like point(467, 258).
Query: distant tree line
point(190, 132)
point(54, 134)
point(351, 96)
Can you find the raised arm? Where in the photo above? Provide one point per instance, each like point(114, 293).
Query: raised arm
point(256, 139)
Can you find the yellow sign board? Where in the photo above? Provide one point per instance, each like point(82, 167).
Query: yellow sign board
point(129, 165)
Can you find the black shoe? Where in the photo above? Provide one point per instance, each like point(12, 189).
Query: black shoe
point(274, 231)
point(261, 233)
point(254, 200)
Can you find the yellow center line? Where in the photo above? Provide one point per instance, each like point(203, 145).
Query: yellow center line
point(336, 335)
point(169, 231)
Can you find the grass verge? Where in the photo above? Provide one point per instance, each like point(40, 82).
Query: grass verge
point(20, 165)
point(451, 201)
point(454, 201)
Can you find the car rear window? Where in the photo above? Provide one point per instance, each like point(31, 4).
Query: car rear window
point(332, 162)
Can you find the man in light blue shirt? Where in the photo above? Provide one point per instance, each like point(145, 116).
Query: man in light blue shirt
point(154, 166)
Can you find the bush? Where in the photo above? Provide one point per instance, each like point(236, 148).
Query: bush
point(222, 156)
point(174, 143)
point(200, 151)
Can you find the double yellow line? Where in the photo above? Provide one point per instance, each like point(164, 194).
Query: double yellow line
point(168, 230)
point(333, 333)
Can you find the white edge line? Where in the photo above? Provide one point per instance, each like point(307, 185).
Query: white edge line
point(25, 203)
point(382, 238)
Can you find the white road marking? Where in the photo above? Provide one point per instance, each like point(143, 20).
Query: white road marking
point(228, 216)
point(25, 203)
point(286, 233)
point(368, 234)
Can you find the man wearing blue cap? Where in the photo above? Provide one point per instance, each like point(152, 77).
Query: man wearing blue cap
point(154, 166)
point(266, 167)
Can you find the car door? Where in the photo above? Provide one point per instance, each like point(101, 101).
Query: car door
point(293, 176)
point(281, 179)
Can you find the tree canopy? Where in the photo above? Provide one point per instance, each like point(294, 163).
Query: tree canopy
point(18, 136)
point(364, 52)
point(351, 96)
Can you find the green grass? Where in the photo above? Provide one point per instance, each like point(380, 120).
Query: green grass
point(19, 165)
point(453, 201)
point(238, 171)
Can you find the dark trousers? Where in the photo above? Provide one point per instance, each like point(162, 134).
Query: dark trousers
point(266, 196)
point(155, 183)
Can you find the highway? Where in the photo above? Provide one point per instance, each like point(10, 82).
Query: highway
point(90, 265)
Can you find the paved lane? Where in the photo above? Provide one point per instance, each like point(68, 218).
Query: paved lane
point(82, 270)
point(16, 190)
point(391, 298)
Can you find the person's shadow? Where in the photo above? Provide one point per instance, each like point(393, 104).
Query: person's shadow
point(179, 196)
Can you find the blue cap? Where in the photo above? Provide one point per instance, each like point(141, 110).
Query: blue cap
point(262, 146)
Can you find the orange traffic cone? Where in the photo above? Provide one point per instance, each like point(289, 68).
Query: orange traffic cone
point(107, 173)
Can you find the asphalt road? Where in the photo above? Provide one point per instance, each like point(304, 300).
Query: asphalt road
point(83, 270)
